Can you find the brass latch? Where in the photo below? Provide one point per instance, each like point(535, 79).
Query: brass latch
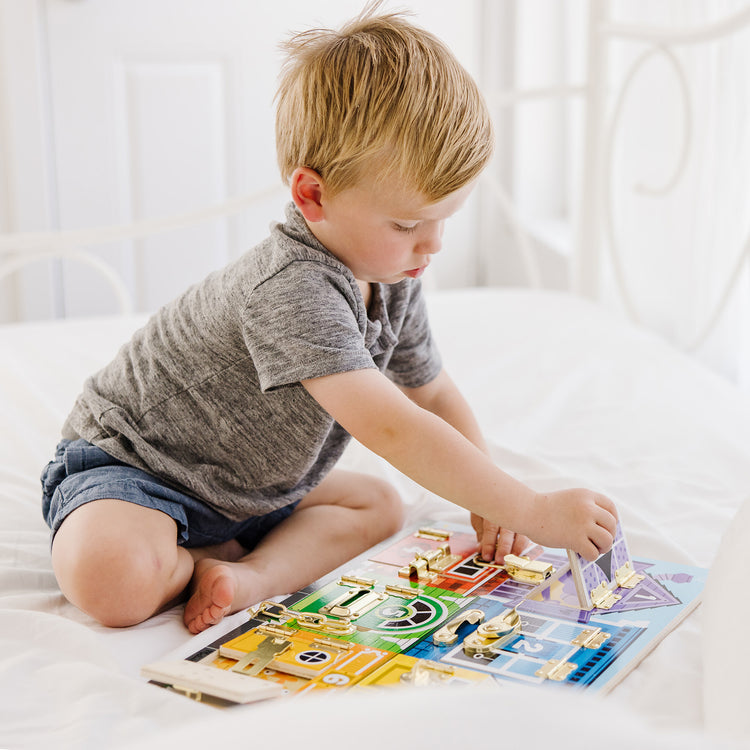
point(490, 636)
point(354, 603)
point(448, 634)
point(278, 613)
point(527, 571)
point(480, 563)
point(427, 564)
point(269, 610)
point(331, 626)
point(254, 662)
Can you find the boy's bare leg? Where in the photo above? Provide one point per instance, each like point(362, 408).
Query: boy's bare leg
point(344, 515)
point(119, 561)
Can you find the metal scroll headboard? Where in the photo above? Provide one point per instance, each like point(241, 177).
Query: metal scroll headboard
point(596, 232)
point(31, 247)
point(603, 131)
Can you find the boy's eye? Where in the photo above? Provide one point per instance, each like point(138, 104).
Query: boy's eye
point(402, 228)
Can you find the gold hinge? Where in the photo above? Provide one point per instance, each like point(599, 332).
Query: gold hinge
point(277, 631)
point(556, 670)
point(425, 672)
point(332, 644)
point(626, 576)
point(393, 589)
point(278, 614)
point(366, 583)
point(436, 535)
point(602, 597)
point(591, 638)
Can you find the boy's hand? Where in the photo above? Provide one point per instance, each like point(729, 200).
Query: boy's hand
point(576, 519)
point(496, 542)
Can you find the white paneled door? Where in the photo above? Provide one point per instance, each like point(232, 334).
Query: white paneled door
point(158, 109)
point(153, 108)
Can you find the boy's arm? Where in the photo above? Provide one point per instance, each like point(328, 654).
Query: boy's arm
point(436, 455)
point(442, 397)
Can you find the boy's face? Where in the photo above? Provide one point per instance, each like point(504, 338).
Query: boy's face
point(384, 234)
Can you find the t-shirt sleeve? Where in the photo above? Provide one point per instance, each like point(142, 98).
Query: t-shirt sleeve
point(416, 359)
point(304, 322)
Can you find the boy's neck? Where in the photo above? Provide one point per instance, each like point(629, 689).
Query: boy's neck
point(366, 290)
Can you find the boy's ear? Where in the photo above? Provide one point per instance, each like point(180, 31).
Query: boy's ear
point(307, 193)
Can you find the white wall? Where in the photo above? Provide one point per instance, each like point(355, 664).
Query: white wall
point(23, 189)
point(118, 111)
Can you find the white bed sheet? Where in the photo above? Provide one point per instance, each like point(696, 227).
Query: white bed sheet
point(566, 393)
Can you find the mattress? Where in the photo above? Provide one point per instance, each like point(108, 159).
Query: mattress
point(567, 394)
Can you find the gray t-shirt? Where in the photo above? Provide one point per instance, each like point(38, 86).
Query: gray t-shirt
point(207, 395)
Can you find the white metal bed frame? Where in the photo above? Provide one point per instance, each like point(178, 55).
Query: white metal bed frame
point(596, 230)
point(602, 130)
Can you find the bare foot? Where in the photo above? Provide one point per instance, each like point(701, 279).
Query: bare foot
point(227, 551)
point(214, 587)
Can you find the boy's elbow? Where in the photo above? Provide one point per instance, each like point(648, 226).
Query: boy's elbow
point(384, 439)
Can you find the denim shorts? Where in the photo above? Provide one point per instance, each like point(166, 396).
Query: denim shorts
point(81, 473)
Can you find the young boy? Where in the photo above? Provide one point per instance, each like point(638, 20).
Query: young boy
point(201, 459)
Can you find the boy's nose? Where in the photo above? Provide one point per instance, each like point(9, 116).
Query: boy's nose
point(431, 243)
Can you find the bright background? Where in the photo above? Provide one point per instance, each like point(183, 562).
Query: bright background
point(121, 111)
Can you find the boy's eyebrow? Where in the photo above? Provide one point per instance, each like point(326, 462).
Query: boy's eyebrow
point(417, 216)
point(419, 211)
point(415, 219)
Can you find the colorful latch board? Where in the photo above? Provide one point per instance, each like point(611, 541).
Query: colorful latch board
point(425, 609)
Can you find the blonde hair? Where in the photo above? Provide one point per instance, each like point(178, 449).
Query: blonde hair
point(380, 97)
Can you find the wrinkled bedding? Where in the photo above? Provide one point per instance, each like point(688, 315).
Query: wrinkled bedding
point(567, 394)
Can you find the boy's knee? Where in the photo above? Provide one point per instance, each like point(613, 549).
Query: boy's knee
point(116, 586)
point(114, 560)
point(386, 508)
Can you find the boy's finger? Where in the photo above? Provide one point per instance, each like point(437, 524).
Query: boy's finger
point(604, 502)
point(602, 538)
point(607, 520)
point(505, 539)
point(489, 541)
point(520, 543)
